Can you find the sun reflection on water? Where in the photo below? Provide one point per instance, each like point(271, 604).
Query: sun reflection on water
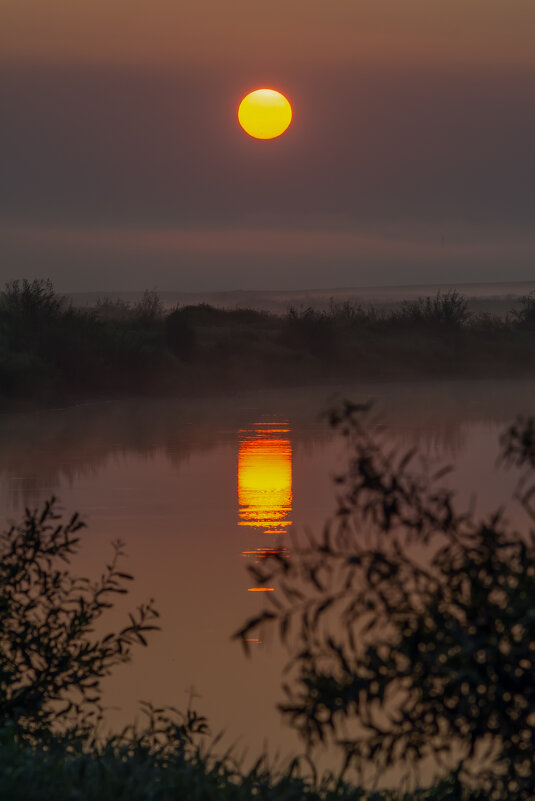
point(265, 481)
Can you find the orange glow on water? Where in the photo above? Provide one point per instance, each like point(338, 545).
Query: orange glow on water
point(265, 553)
point(261, 589)
point(265, 482)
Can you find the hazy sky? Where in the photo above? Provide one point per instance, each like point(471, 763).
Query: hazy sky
point(411, 157)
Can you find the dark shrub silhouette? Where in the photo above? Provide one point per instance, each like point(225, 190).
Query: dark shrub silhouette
point(29, 311)
point(31, 299)
point(524, 316)
point(411, 625)
point(149, 309)
point(444, 310)
point(180, 335)
point(52, 352)
point(310, 329)
point(51, 667)
point(51, 662)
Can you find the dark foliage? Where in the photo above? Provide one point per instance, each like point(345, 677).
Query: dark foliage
point(51, 662)
point(180, 335)
point(51, 666)
point(448, 310)
point(524, 316)
point(51, 352)
point(25, 302)
point(149, 309)
point(311, 330)
point(411, 625)
point(131, 773)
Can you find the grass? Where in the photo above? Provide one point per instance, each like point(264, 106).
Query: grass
point(50, 351)
point(127, 773)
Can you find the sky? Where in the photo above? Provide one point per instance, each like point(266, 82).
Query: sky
point(410, 158)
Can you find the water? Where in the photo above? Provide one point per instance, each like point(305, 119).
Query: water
point(198, 490)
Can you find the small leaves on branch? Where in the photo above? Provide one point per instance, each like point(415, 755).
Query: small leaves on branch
point(51, 660)
point(412, 623)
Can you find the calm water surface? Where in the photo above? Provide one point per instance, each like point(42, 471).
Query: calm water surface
point(198, 490)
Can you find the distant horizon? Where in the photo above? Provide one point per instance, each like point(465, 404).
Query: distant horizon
point(439, 285)
point(496, 298)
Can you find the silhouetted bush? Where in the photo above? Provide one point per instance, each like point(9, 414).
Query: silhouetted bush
point(30, 300)
point(448, 310)
point(310, 329)
point(410, 624)
point(51, 663)
point(29, 311)
point(149, 309)
point(525, 315)
point(180, 334)
point(202, 314)
point(355, 315)
point(51, 667)
point(50, 351)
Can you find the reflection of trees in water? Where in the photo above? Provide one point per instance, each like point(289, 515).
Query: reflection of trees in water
point(445, 441)
point(40, 451)
point(435, 417)
point(44, 450)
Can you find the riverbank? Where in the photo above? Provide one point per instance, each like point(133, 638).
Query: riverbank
point(52, 352)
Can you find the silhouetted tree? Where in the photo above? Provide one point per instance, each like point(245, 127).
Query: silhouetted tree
point(51, 661)
point(149, 309)
point(524, 316)
point(411, 625)
point(446, 310)
point(180, 335)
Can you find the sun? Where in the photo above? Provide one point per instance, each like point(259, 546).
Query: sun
point(265, 113)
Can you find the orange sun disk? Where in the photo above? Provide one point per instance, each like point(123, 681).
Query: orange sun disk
point(265, 113)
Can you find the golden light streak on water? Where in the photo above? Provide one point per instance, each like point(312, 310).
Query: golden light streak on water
point(265, 553)
point(265, 480)
point(261, 589)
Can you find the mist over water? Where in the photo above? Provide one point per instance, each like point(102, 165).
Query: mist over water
point(199, 489)
point(491, 298)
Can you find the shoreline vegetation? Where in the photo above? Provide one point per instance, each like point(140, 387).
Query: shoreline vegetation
point(51, 351)
point(434, 658)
